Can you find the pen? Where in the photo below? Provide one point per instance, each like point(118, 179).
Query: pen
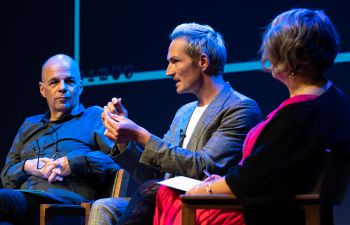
point(206, 172)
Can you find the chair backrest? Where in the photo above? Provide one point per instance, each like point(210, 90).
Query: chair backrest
point(333, 178)
point(336, 179)
point(116, 186)
point(330, 189)
point(121, 183)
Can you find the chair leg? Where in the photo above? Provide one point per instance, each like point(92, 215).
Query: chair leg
point(312, 215)
point(43, 208)
point(188, 215)
point(87, 207)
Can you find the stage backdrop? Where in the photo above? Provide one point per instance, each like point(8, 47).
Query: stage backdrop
point(124, 34)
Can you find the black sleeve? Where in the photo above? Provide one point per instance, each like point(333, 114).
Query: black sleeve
point(287, 147)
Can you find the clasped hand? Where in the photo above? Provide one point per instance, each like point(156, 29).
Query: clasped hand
point(52, 170)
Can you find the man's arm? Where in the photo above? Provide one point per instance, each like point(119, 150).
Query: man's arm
point(20, 165)
point(125, 152)
point(85, 158)
point(219, 146)
point(92, 159)
point(129, 160)
point(13, 174)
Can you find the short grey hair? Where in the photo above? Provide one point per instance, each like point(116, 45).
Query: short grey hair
point(302, 41)
point(203, 39)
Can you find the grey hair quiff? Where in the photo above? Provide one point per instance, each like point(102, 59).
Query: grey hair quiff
point(203, 39)
point(301, 41)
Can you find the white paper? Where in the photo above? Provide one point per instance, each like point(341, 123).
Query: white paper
point(181, 183)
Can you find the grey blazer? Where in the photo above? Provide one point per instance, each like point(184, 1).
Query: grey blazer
point(215, 145)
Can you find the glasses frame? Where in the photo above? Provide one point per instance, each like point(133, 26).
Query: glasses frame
point(53, 157)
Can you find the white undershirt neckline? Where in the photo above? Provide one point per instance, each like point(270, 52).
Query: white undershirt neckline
point(196, 115)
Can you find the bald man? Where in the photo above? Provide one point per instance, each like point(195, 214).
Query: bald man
point(57, 156)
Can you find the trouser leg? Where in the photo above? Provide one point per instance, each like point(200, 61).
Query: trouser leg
point(13, 206)
point(107, 211)
point(21, 208)
point(140, 209)
point(5, 223)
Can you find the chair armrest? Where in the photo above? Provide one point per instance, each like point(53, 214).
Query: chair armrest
point(211, 201)
point(308, 202)
point(307, 199)
point(218, 200)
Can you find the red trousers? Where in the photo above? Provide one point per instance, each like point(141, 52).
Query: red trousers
point(168, 211)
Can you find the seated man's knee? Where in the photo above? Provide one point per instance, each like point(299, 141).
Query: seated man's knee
point(5, 223)
point(148, 189)
point(107, 211)
point(12, 200)
point(110, 205)
point(13, 205)
point(100, 203)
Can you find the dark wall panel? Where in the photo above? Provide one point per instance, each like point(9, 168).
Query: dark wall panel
point(136, 32)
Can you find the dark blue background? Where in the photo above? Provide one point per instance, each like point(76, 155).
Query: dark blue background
point(136, 32)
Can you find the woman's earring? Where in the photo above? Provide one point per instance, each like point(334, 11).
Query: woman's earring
point(291, 75)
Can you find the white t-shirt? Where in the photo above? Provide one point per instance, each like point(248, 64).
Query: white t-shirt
point(196, 115)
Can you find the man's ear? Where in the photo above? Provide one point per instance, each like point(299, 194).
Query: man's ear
point(81, 87)
point(42, 89)
point(204, 62)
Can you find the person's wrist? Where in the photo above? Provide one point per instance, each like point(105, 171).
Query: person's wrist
point(143, 136)
point(208, 188)
point(65, 168)
point(27, 166)
point(121, 147)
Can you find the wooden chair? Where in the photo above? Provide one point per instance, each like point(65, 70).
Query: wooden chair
point(116, 188)
point(317, 205)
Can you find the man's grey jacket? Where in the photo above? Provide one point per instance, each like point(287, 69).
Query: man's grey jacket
point(215, 145)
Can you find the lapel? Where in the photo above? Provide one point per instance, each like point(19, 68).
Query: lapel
point(184, 122)
point(211, 111)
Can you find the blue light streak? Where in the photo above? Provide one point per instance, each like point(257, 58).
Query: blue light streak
point(230, 68)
